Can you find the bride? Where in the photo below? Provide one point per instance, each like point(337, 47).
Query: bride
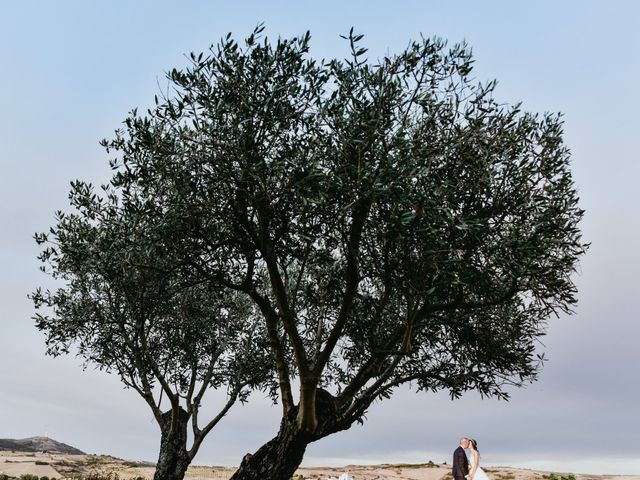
point(475, 472)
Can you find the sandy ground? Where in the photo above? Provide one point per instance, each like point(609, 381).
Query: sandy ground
point(17, 469)
point(67, 466)
point(15, 464)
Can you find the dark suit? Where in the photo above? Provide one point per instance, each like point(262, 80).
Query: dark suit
point(460, 464)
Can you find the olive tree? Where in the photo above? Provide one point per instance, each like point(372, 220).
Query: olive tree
point(123, 307)
point(390, 222)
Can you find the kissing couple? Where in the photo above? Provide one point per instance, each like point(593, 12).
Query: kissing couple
point(467, 469)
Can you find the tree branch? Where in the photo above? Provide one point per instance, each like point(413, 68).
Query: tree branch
point(361, 213)
point(271, 320)
point(201, 434)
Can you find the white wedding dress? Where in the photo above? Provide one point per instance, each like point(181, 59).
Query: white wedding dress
point(480, 475)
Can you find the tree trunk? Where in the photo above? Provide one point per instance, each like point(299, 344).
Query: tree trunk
point(174, 458)
point(280, 457)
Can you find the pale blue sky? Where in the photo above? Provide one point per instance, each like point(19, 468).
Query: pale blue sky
point(71, 70)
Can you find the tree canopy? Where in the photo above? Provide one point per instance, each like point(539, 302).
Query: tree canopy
point(121, 306)
point(389, 221)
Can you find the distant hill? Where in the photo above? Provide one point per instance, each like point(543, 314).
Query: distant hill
point(38, 444)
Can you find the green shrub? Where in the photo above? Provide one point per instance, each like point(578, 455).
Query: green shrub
point(555, 476)
point(94, 475)
point(28, 476)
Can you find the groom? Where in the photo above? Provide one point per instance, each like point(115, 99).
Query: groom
point(460, 462)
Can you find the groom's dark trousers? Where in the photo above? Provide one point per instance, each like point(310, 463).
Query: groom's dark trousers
point(460, 464)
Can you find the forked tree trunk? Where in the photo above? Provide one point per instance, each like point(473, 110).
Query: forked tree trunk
point(174, 458)
point(280, 457)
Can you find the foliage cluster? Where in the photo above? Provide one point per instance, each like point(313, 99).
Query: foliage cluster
point(340, 227)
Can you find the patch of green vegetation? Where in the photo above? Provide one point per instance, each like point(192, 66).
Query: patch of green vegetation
point(94, 475)
point(555, 476)
point(28, 476)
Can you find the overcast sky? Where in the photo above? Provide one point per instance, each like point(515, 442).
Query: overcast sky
point(71, 70)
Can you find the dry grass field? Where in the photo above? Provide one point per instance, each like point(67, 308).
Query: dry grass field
point(60, 466)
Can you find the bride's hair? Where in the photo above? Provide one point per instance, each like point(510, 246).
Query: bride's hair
point(475, 444)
